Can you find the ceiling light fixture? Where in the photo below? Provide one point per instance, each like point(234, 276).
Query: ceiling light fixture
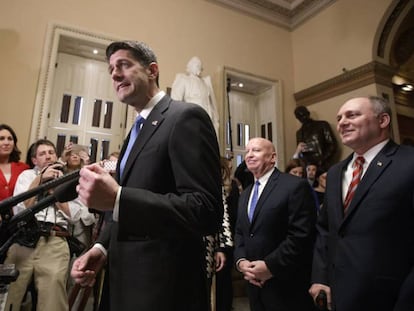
point(240, 85)
point(95, 51)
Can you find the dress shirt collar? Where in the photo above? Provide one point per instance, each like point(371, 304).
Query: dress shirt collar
point(371, 153)
point(151, 104)
point(368, 156)
point(37, 170)
point(263, 180)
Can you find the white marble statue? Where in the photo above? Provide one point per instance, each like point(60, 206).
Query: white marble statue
point(193, 88)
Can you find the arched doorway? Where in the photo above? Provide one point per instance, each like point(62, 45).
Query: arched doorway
point(395, 47)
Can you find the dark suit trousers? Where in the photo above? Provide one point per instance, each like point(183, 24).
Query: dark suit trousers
point(278, 297)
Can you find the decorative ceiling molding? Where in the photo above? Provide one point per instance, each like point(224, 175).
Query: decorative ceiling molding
point(373, 72)
point(285, 13)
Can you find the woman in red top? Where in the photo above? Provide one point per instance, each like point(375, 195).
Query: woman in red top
point(10, 165)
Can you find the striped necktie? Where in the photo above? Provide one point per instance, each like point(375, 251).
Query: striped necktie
point(356, 178)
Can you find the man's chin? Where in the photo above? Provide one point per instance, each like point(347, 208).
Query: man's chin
point(348, 142)
point(123, 94)
point(346, 138)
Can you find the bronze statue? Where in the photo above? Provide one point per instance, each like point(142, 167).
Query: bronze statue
point(315, 139)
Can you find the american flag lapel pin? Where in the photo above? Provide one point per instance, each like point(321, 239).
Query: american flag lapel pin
point(154, 123)
point(379, 163)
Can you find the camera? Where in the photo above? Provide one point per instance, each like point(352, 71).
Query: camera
point(8, 273)
point(56, 166)
point(309, 147)
point(59, 168)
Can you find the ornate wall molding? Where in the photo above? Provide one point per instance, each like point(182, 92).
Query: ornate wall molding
point(373, 72)
point(287, 14)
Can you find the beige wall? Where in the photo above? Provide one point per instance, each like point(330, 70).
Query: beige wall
point(175, 29)
point(340, 36)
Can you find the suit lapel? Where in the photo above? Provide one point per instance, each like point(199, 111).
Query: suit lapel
point(377, 166)
point(121, 154)
point(336, 175)
point(245, 202)
point(270, 186)
point(148, 128)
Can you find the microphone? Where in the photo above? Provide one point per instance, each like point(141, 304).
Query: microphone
point(230, 135)
point(63, 193)
point(8, 203)
point(67, 191)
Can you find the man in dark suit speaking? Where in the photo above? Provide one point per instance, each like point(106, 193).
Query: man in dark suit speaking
point(166, 195)
point(364, 254)
point(275, 232)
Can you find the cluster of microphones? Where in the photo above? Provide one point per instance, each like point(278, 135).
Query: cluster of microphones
point(64, 191)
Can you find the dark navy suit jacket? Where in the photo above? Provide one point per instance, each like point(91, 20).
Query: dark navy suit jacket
point(171, 197)
point(282, 234)
point(367, 257)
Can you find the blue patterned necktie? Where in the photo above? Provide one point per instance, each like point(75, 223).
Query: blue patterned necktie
point(254, 200)
point(136, 127)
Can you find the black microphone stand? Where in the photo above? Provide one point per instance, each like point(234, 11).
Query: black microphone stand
point(8, 203)
point(25, 224)
point(228, 89)
point(22, 219)
point(25, 219)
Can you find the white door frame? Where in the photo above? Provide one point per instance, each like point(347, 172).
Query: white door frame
point(278, 124)
point(47, 72)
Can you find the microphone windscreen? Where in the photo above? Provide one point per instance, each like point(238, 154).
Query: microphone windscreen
point(67, 191)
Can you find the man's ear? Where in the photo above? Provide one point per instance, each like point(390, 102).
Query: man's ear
point(34, 161)
point(153, 70)
point(274, 157)
point(384, 120)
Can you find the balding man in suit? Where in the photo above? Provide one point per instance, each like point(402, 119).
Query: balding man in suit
point(275, 233)
point(364, 254)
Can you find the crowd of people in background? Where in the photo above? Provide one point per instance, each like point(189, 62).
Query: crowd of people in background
point(344, 229)
point(42, 256)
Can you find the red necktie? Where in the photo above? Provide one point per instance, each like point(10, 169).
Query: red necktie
point(356, 177)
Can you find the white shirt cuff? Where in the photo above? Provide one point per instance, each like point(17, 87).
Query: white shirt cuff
point(238, 262)
point(115, 214)
point(101, 248)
